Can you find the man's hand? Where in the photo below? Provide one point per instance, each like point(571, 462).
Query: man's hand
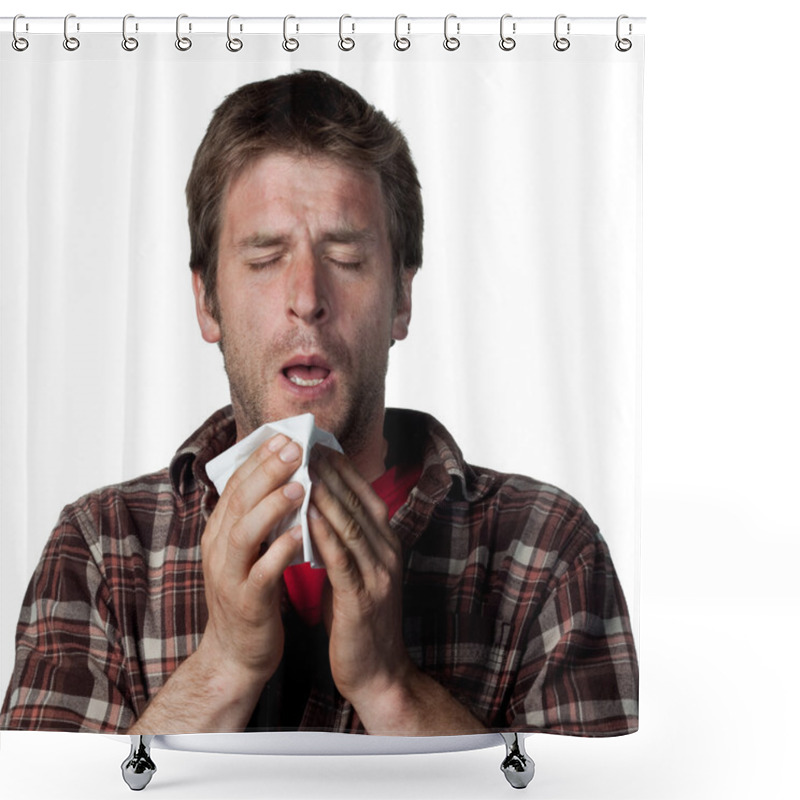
point(217, 687)
point(364, 615)
point(242, 584)
point(363, 557)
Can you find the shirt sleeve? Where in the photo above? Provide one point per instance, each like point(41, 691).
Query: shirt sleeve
point(579, 672)
point(69, 669)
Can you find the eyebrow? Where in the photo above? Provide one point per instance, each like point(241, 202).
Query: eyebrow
point(343, 235)
point(260, 241)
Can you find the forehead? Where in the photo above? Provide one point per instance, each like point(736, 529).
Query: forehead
point(281, 190)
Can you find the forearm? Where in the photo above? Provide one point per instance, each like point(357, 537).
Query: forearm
point(417, 706)
point(202, 696)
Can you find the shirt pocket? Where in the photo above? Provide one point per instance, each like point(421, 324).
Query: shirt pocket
point(467, 654)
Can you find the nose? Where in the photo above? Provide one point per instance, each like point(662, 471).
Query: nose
point(307, 296)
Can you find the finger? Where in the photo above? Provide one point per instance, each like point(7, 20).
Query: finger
point(239, 476)
point(268, 570)
point(271, 445)
point(349, 485)
point(344, 572)
point(264, 471)
point(355, 554)
point(343, 510)
point(353, 509)
point(247, 534)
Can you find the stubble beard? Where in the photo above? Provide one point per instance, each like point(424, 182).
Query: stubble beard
point(360, 387)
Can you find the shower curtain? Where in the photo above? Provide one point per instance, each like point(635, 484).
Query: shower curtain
point(525, 334)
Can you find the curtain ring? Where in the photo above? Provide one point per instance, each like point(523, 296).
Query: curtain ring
point(70, 42)
point(345, 42)
point(234, 45)
point(290, 45)
point(623, 45)
point(182, 42)
point(561, 43)
point(506, 42)
point(18, 42)
point(451, 42)
point(401, 42)
point(129, 43)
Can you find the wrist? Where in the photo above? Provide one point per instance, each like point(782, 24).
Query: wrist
point(391, 705)
point(204, 695)
point(226, 675)
point(415, 705)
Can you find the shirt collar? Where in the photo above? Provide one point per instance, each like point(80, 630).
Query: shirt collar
point(422, 438)
point(444, 471)
point(188, 465)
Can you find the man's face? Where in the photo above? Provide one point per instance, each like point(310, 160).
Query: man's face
point(306, 299)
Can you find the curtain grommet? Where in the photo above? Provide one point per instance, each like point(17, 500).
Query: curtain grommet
point(129, 43)
point(233, 44)
point(19, 43)
point(183, 43)
point(507, 43)
point(346, 43)
point(289, 44)
point(70, 43)
point(451, 43)
point(401, 43)
point(623, 44)
point(561, 43)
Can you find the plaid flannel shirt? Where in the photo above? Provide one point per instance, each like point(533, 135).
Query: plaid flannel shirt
point(511, 601)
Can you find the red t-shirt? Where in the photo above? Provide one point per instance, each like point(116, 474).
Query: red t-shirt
point(304, 584)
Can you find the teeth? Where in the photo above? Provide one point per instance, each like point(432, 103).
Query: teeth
point(300, 382)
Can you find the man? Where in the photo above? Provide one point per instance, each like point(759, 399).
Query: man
point(454, 600)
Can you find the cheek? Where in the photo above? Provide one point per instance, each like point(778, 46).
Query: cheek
point(249, 308)
point(380, 323)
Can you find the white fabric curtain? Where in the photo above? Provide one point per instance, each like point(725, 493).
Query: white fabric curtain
point(525, 331)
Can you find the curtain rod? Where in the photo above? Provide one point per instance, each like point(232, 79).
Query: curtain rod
point(402, 25)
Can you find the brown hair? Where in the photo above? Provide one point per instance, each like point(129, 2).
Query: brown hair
point(310, 113)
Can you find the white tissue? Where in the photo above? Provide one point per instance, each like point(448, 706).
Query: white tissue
point(303, 430)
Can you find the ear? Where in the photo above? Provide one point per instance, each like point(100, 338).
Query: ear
point(402, 312)
point(209, 327)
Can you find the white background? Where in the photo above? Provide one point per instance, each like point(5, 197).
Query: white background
point(719, 601)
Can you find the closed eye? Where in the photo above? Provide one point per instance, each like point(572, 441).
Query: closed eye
point(346, 265)
point(264, 263)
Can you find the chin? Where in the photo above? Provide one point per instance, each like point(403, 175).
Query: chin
point(323, 420)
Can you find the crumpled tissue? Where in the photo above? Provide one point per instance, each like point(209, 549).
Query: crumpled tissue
point(303, 430)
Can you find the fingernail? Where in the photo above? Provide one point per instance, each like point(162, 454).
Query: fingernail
point(294, 491)
point(290, 453)
point(276, 442)
point(296, 533)
point(313, 512)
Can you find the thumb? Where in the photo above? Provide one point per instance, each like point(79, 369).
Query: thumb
point(268, 570)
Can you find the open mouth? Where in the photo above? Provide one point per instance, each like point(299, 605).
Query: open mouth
point(306, 375)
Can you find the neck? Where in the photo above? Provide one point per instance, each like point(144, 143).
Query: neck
point(369, 458)
point(372, 465)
